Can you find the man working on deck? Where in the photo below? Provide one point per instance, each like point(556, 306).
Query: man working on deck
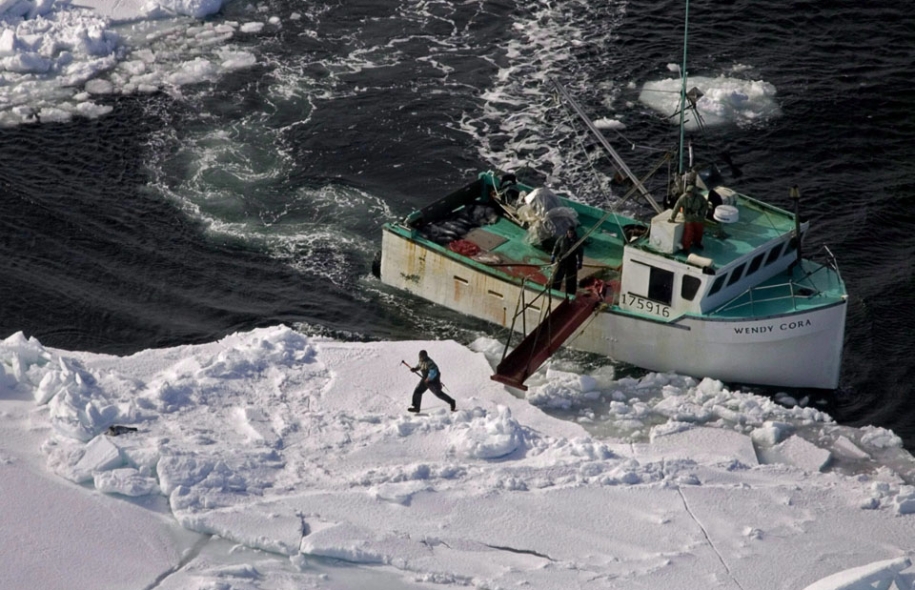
point(694, 207)
point(569, 261)
point(431, 380)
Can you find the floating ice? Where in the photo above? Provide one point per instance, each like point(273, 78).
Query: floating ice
point(880, 574)
point(724, 100)
point(58, 58)
point(605, 123)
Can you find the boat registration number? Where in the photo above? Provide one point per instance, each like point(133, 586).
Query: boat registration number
point(641, 304)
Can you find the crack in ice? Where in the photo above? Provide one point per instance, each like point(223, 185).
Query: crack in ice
point(708, 539)
point(189, 556)
point(521, 551)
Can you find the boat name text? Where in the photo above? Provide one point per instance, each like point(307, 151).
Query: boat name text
point(783, 327)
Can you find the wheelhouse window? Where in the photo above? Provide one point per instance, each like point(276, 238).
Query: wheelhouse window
point(689, 287)
point(716, 286)
point(792, 246)
point(661, 285)
point(755, 263)
point(774, 253)
point(736, 274)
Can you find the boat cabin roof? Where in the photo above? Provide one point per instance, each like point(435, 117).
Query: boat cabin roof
point(758, 226)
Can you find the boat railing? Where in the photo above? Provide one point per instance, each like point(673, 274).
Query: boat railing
point(521, 307)
point(831, 260)
point(754, 296)
point(805, 287)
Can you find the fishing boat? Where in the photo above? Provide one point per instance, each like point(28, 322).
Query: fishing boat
point(748, 308)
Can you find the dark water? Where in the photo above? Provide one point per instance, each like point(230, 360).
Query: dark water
point(259, 199)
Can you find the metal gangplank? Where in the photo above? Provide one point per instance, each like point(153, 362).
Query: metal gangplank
point(555, 328)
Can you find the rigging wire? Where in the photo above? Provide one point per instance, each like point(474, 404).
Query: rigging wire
point(597, 176)
point(578, 139)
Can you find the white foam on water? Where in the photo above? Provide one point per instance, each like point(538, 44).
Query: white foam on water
point(525, 127)
point(236, 187)
point(236, 174)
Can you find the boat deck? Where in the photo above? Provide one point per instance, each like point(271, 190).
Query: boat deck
point(758, 225)
point(498, 247)
point(603, 250)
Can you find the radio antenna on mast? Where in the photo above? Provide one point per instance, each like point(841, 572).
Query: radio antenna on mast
point(683, 87)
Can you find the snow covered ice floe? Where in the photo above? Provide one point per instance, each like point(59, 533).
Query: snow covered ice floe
point(262, 459)
point(59, 59)
point(725, 99)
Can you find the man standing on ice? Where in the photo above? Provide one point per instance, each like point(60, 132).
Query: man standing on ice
point(431, 380)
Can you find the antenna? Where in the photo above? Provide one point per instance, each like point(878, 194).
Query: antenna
point(794, 194)
point(683, 88)
point(606, 145)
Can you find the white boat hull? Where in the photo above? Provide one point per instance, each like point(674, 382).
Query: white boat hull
point(796, 350)
point(801, 349)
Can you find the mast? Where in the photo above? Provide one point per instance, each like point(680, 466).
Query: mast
point(683, 88)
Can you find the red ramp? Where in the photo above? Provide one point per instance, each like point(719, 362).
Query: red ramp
point(546, 339)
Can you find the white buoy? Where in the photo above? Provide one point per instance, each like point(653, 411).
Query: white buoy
point(700, 261)
point(726, 213)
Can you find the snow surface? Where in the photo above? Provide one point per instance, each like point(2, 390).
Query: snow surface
point(271, 459)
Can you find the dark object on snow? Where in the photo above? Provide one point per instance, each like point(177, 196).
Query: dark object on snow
point(118, 430)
